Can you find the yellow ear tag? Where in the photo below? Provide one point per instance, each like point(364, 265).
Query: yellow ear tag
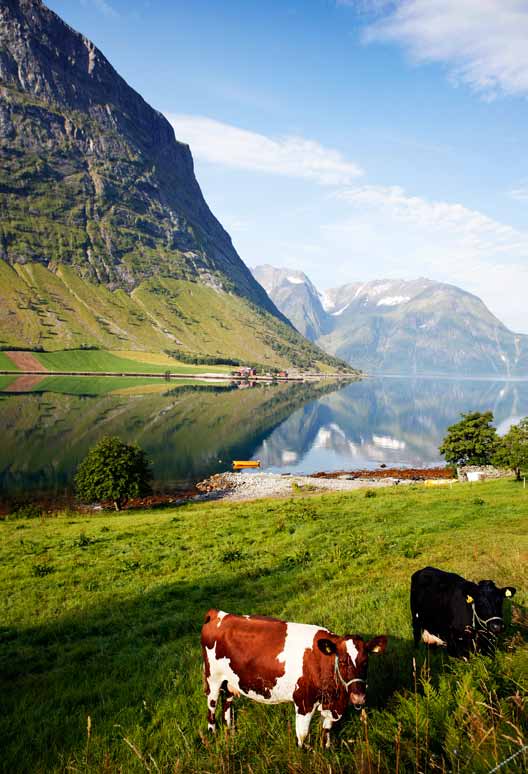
point(507, 593)
point(469, 599)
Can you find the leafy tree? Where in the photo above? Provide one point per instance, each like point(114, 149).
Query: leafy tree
point(113, 470)
point(512, 451)
point(472, 441)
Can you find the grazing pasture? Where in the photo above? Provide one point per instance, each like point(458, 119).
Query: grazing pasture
point(99, 632)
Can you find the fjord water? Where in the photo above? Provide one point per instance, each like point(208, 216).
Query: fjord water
point(191, 431)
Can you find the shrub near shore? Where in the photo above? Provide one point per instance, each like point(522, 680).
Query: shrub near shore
point(101, 616)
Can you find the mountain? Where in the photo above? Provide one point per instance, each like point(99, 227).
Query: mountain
point(292, 290)
point(105, 235)
point(400, 326)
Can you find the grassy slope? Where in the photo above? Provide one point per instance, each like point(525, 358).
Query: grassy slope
point(6, 364)
point(101, 618)
point(58, 310)
point(99, 360)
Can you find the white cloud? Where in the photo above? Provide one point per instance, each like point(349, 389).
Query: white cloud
point(478, 231)
point(520, 193)
point(103, 6)
point(410, 236)
point(483, 42)
point(291, 156)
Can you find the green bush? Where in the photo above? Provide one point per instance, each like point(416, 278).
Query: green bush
point(472, 441)
point(113, 470)
point(512, 450)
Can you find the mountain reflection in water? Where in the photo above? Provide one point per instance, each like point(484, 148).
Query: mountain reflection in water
point(395, 421)
point(192, 431)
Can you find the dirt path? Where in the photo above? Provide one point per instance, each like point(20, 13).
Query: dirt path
point(24, 383)
point(26, 361)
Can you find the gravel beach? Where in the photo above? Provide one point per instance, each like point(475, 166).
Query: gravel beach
point(251, 486)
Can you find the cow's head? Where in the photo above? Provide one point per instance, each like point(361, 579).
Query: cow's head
point(486, 600)
point(350, 655)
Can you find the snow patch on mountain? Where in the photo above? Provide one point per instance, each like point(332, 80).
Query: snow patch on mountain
point(393, 300)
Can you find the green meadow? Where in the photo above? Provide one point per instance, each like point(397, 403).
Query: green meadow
point(101, 360)
point(101, 615)
point(6, 364)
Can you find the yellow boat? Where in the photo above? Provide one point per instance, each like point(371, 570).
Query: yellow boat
point(246, 464)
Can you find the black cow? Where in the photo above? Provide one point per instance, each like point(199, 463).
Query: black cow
point(452, 612)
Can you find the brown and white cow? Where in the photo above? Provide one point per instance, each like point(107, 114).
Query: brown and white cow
point(274, 661)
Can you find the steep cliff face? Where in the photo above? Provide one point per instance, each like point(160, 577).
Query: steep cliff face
point(105, 237)
point(92, 176)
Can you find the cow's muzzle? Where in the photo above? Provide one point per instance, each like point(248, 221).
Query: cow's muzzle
point(357, 700)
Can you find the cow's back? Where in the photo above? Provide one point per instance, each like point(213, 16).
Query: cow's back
point(258, 656)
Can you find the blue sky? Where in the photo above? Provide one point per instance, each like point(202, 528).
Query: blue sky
point(351, 139)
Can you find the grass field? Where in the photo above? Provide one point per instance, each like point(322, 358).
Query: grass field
point(99, 645)
point(6, 364)
point(101, 360)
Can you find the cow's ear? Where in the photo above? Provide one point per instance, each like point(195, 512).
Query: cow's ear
point(508, 591)
point(377, 644)
point(327, 646)
point(470, 591)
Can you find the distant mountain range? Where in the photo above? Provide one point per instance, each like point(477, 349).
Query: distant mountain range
point(105, 237)
point(399, 326)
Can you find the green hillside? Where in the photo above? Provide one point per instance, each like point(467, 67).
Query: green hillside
point(58, 310)
point(101, 616)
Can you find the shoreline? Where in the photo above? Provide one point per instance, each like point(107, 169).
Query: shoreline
point(204, 376)
point(243, 486)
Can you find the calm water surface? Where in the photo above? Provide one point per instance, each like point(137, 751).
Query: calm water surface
point(191, 431)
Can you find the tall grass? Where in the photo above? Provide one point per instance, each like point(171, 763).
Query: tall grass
point(99, 645)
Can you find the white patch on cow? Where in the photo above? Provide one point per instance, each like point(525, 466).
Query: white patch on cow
point(432, 639)
point(220, 617)
point(299, 637)
point(352, 651)
point(302, 726)
point(329, 718)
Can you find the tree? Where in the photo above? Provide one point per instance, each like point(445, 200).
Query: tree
point(472, 441)
point(512, 451)
point(113, 470)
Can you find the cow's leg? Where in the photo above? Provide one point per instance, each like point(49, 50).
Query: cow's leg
point(302, 725)
point(212, 691)
point(227, 700)
point(417, 629)
point(328, 722)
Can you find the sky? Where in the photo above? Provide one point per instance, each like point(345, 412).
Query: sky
point(349, 139)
